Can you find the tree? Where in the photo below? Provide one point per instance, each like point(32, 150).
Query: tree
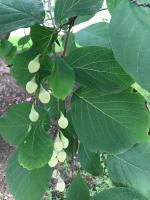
point(94, 84)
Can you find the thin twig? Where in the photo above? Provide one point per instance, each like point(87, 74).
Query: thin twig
point(50, 12)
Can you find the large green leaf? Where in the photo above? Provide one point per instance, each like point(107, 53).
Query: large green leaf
point(90, 161)
point(24, 184)
point(119, 194)
point(109, 122)
point(78, 189)
point(129, 36)
point(62, 79)
point(43, 38)
point(94, 35)
point(70, 8)
point(132, 168)
point(14, 123)
point(18, 14)
point(112, 4)
point(36, 149)
point(96, 68)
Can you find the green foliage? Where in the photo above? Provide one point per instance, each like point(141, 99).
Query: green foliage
point(7, 51)
point(90, 161)
point(132, 168)
point(68, 8)
point(78, 189)
point(19, 14)
point(112, 4)
point(24, 184)
point(129, 40)
point(14, 131)
point(89, 94)
point(94, 35)
point(101, 126)
point(97, 68)
point(119, 193)
point(62, 79)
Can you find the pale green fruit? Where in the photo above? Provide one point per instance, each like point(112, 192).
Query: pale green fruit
point(34, 65)
point(62, 156)
point(44, 96)
point(55, 173)
point(31, 86)
point(34, 115)
point(63, 121)
point(53, 162)
point(60, 186)
point(58, 145)
point(65, 141)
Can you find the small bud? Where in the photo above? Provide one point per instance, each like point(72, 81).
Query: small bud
point(58, 145)
point(31, 86)
point(63, 121)
point(34, 115)
point(34, 65)
point(60, 186)
point(65, 141)
point(29, 129)
point(44, 96)
point(53, 162)
point(62, 156)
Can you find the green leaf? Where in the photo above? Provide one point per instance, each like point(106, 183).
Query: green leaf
point(14, 123)
point(78, 189)
point(62, 79)
point(24, 184)
point(24, 40)
point(129, 35)
point(90, 161)
point(94, 35)
point(112, 4)
point(109, 122)
point(96, 68)
point(20, 67)
point(7, 51)
point(119, 194)
point(132, 168)
point(43, 38)
point(36, 149)
point(18, 14)
point(68, 8)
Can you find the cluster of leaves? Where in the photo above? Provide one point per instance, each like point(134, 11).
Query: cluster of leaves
point(96, 71)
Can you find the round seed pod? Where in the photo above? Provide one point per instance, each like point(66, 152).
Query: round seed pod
point(34, 65)
point(34, 115)
point(63, 121)
point(62, 156)
point(65, 141)
point(58, 145)
point(31, 86)
point(44, 96)
point(60, 186)
point(53, 162)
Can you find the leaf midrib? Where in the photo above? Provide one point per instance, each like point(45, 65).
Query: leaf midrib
point(83, 99)
point(131, 164)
